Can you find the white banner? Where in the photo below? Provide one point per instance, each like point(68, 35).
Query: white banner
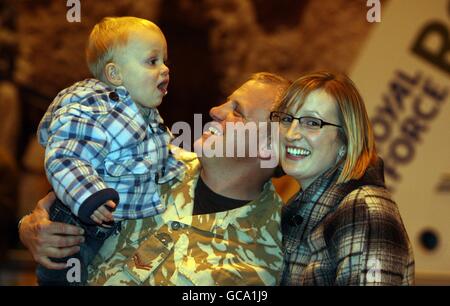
point(403, 74)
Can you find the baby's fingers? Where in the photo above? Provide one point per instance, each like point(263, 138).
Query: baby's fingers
point(105, 213)
point(95, 218)
point(111, 205)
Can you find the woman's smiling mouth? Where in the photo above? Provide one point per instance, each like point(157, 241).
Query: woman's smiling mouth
point(296, 153)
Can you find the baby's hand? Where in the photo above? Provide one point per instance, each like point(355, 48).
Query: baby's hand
point(103, 213)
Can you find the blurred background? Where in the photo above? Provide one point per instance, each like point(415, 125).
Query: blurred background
point(400, 64)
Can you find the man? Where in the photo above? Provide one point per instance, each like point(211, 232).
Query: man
point(221, 227)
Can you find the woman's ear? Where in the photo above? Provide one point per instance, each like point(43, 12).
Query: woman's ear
point(342, 151)
point(112, 74)
point(341, 154)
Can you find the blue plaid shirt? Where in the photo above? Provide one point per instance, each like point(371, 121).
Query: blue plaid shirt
point(99, 147)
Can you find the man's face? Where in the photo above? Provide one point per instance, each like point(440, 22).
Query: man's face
point(142, 67)
point(250, 103)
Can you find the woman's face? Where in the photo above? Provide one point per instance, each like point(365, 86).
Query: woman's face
point(305, 152)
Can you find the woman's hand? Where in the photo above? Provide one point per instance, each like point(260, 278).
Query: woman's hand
point(44, 238)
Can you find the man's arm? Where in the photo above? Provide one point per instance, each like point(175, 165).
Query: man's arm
point(44, 238)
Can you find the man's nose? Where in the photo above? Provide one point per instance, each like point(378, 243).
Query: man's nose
point(218, 113)
point(293, 132)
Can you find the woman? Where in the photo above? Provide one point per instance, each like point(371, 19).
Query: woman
point(343, 227)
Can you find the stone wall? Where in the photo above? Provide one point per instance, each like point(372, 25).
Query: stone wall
point(51, 49)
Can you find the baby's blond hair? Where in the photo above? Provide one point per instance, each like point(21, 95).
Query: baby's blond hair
point(106, 36)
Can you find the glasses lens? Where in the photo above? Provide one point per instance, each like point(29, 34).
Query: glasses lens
point(311, 123)
point(286, 119)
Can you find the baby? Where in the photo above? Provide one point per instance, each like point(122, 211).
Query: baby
point(106, 145)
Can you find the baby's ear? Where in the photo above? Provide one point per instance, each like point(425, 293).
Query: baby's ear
point(112, 74)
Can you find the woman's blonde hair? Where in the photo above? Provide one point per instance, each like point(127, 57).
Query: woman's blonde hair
point(356, 132)
point(106, 36)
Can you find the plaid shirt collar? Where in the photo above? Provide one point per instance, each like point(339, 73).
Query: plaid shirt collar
point(323, 196)
point(149, 114)
point(173, 167)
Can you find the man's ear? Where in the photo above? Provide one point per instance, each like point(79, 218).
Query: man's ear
point(268, 153)
point(112, 74)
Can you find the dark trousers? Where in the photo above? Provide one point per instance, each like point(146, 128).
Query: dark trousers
point(94, 237)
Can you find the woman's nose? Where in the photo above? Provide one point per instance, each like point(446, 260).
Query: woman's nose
point(293, 132)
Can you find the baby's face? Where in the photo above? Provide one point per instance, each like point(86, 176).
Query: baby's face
point(142, 66)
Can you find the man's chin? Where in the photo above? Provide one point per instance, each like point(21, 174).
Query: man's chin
point(198, 146)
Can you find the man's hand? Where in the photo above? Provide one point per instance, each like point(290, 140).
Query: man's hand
point(45, 238)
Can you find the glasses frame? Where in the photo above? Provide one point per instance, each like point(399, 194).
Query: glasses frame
point(322, 123)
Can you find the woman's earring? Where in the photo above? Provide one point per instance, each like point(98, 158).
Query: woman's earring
point(341, 152)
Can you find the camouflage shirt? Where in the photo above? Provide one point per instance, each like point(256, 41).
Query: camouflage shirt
point(241, 246)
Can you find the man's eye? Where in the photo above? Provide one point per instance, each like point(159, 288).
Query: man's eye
point(237, 114)
point(237, 110)
point(152, 61)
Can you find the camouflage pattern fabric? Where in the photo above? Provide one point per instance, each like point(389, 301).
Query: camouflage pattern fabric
point(236, 247)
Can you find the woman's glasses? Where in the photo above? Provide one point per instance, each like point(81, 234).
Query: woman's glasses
point(310, 123)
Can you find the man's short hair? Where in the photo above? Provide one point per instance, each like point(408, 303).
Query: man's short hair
point(273, 79)
point(108, 35)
